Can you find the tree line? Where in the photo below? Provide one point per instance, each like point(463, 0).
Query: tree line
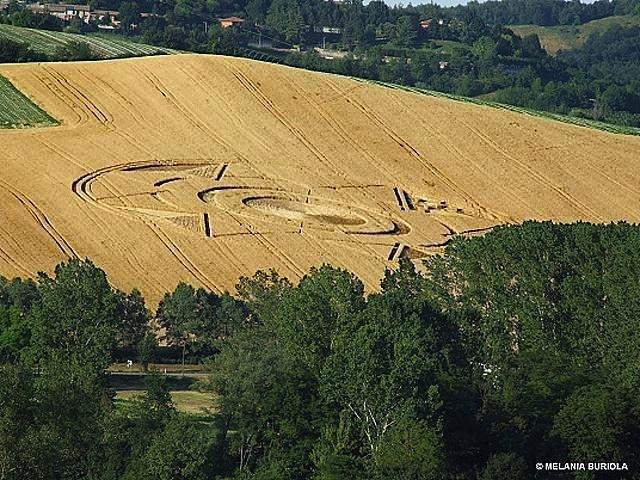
point(546, 12)
point(518, 347)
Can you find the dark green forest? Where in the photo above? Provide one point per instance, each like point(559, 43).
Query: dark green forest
point(518, 347)
point(465, 50)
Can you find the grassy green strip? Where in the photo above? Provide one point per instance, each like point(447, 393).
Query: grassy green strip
point(17, 111)
point(582, 122)
point(103, 46)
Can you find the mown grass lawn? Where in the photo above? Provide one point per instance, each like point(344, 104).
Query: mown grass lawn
point(186, 401)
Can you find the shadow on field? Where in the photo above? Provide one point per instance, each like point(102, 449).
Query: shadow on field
point(136, 381)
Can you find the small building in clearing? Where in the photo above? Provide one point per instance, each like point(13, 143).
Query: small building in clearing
point(230, 22)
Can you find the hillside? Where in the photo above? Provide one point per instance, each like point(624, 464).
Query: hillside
point(102, 46)
point(205, 168)
point(567, 37)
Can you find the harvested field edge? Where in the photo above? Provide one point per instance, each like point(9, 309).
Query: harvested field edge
point(581, 122)
point(19, 110)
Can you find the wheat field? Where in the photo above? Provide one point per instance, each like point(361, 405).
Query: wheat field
point(205, 168)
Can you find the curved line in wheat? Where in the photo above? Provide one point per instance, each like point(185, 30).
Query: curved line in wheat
point(39, 216)
point(127, 254)
point(255, 91)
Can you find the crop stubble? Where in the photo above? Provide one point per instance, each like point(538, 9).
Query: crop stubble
point(205, 168)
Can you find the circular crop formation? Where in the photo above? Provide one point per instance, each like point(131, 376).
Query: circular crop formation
point(324, 213)
point(174, 191)
point(286, 207)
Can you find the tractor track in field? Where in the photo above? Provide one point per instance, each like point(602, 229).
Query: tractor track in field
point(193, 120)
point(113, 93)
point(183, 259)
point(451, 148)
point(81, 187)
point(417, 156)
point(56, 91)
point(9, 260)
point(270, 107)
point(41, 219)
point(281, 256)
point(228, 112)
point(325, 169)
point(335, 127)
point(249, 85)
point(577, 204)
point(599, 171)
point(81, 101)
point(412, 152)
point(199, 125)
point(125, 104)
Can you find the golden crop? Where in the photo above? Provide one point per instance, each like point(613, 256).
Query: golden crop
point(205, 168)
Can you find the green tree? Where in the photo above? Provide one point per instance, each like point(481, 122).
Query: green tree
point(285, 17)
point(157, 397)
point(75, 50)
point(257, 11)
point(76, 25)
point(486, 50)
point(262, 293)
point(16, 413)
point(386, 361)
point(147, 349)
point(506, 466)
point(410, 451)
point(78, 315)
point(130, 430)
point(184, 313)
point(601, 421)
point(16, 300)
point(129, 15)
point(405, 32)
point(15, 334)
point(51, 425)
point(269, 400)
point(231, 315)
point(353, 31)
point(308, 317)
point(616, 97)
point(135, 317)
point(12, 51)
point(222, 40)
point(531, 46)
point(184, 449)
